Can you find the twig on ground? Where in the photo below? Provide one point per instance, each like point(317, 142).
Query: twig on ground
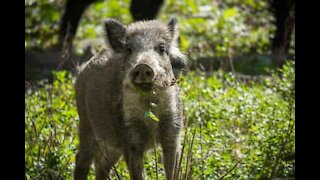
point(238, 162)
point(182, 152)
point(189, 153)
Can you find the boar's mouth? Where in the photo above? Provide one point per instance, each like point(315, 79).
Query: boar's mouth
point(153, 86)
point(163, 82)
point(158, 83)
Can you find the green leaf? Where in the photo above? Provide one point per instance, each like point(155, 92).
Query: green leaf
point(151, 115)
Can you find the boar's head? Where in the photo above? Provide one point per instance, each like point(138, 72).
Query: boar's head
point(149, 51)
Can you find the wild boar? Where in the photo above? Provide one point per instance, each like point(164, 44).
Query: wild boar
point(118, 89)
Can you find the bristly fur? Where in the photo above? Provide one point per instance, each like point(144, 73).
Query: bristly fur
point(112, 109)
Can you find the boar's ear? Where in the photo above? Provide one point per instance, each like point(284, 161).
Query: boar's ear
point(179, 61)
point(173, 27)
point(115, 32)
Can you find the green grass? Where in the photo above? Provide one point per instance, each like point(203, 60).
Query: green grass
point(233, 130)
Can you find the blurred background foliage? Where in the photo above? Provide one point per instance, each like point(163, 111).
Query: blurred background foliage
point(238, 127)
point(207, 26)
point(212, 29)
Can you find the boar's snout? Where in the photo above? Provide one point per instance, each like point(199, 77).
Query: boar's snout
point(143, 76)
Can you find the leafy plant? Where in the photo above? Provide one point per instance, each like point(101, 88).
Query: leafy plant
point(232, 129)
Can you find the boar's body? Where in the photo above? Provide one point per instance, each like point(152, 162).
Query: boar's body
point(98, 96)
point(114, 92)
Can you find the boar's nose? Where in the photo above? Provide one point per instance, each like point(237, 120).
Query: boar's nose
point(142, 75)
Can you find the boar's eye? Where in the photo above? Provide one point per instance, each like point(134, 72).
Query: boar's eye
point(162, 49)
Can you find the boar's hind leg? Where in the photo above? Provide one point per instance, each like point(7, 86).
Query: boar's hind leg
point(104, 162)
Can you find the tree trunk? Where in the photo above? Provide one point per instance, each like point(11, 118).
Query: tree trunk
point(284, 12)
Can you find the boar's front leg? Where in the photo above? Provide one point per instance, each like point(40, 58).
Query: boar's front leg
point(104, 161)
point(169, 134)
point(134, 147)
